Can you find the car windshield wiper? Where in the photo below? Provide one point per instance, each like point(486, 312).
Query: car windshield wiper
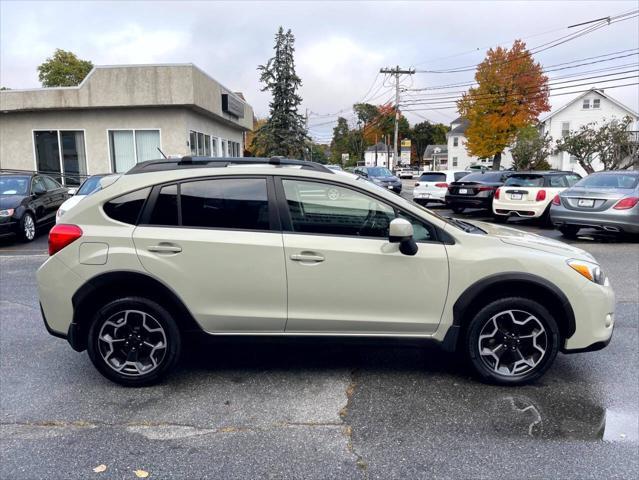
point(465, 226)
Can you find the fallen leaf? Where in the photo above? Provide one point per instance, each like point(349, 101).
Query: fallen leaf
point(100, 468)
point(141, 473)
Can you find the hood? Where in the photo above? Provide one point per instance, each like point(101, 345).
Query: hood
point(387, 179)
point(10, 201)
point(512, 236)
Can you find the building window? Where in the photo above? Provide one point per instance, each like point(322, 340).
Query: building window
point(573, 159)
point(129, 147)
point(455, 141)
point(454, 161)
point(62, 154)
point(233, 149)
point(586, 104)
point(200, 144)
point(565, 129)
point(596, 103)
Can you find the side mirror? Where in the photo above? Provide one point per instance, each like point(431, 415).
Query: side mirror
point(401, 231)
point(364, 174)
point(72, 191)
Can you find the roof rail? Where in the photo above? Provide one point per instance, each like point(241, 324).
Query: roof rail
point(213, 162)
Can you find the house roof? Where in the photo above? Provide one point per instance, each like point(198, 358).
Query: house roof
point(133, 86)
point(459, 129)
point(596, 90)
point(382, 147)
point(430, 150)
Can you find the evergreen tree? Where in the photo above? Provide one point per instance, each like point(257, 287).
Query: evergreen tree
point(284, 132)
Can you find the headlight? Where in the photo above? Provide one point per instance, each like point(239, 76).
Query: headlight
point(591, 271)
point(7, 212)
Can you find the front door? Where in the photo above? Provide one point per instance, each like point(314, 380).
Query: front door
point(215, 243)
point(343, 274)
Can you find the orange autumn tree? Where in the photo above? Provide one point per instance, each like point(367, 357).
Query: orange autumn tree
point(512, 92)
point(383, 124)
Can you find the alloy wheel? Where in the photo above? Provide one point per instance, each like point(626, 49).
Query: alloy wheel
point(513, 342)
point(132, 342)
point(29, 227)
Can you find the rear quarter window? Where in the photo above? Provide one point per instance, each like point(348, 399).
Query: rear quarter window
point(127, 208)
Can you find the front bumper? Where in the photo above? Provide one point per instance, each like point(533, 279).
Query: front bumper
point(594, 319)
point(606, 220)
point(8, 226)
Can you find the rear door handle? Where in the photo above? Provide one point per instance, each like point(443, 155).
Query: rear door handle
point(165, 248)
point(307, 257)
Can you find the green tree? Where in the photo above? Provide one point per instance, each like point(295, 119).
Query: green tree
point(611, 144)
point(424, 134)
point(531, 148)
point(318, 153)
point(284, 133)
point(63, 69)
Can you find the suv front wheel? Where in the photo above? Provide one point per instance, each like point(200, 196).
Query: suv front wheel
point(512, 341)
point(133, 341)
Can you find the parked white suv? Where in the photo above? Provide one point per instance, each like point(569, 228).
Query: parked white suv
point(432, 186)
point(256, 246)
point(529, 194)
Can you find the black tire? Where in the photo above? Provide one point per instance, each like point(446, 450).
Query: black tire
point(545, 220)
point(524, 308)
point(457, 209)
point(160, 316)
point(26, 233)
point(569, 231)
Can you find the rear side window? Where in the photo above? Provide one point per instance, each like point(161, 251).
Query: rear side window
point(50, 183)
point(240, 203)
point(557, 181)
point(432, 177)
point(572, 179)
point(127, 208)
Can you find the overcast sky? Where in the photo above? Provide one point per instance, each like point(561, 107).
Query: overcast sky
point(340, 46)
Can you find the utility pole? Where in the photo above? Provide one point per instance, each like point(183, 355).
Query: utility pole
point(397, 72)
point(306, 126)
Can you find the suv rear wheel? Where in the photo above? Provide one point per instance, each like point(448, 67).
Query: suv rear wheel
point(512, 341)
point(133, 341)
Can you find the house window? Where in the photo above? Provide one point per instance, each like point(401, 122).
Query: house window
point(586, 104)
point(455, 141)
point(573, 159)
point(454, 161)
point(62, 154)
point(234, 149)
point(596, 102)
point(565, 129)
point(129, 147)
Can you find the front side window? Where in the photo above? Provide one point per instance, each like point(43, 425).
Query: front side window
point(129, 147)
point(50, 183)
point(324, 208)
point(127, 208)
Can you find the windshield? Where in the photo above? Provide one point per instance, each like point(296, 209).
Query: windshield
point(90, 185)
point(609, 180)
point(525, 181)
point(379, 172)
point(433, 177)
point(14, 185)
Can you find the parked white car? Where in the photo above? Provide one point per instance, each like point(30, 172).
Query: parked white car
point(89, 186)
point(432, 186)
point(529, 194)
point(405, 172)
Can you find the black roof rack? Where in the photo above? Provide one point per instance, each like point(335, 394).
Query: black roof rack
point(213, 162)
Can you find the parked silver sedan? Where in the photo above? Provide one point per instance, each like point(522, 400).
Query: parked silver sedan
point(604, 200)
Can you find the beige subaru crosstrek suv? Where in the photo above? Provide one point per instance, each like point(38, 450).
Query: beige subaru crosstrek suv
point(256, 246)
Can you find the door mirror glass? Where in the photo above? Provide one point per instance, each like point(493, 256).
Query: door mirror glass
point(72, 191)
point(401, 231)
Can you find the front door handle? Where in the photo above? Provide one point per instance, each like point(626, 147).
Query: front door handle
point(165, 248)
point(307, 257)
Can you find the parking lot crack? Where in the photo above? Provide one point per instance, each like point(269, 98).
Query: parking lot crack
point(347, 429)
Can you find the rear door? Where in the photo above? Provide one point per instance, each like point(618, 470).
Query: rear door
point(217, 243)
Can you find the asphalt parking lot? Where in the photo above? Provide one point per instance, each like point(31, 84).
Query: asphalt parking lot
point(316, 410)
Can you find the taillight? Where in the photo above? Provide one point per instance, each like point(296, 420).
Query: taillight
point(62, 235)
point(497, 193)
point(485, 189)
point(441, 185)
point(556, 200)
point(541, 195)
point(626, 203)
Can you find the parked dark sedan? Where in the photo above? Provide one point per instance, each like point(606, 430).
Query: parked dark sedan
point(380, 176)
point(604, 200)
point(475, 190)
point(28, 201)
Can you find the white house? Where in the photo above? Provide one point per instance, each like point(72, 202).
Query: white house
point(458, 156)
point(378, 155)
point(591, 106)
